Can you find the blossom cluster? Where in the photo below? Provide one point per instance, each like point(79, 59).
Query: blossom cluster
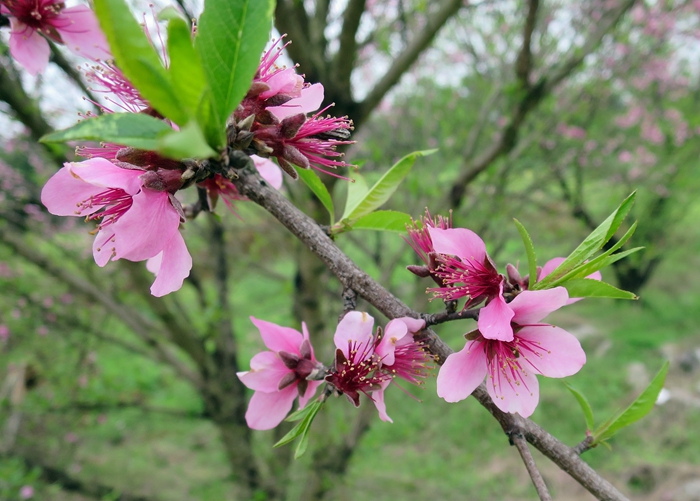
point(131, 194)
point(510, 345)
point(272, 119)
point(365, 363)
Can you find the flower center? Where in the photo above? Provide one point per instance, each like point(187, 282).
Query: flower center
point(114, 201)
point(36, 14)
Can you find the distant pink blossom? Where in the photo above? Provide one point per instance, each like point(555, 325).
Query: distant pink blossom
point(279, 375)
point(26, 492)
point(572, 132)
point(32, 20)
point(4, 332)
point(138, 215)
point(510, 367)
point(625, 156)
point(651, 132)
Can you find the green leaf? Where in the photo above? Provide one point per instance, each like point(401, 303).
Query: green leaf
point(600, 262)
point(620, 216)
point(381, 220)
point(130, 129)
point(186, 72)
point(303, 426)
point(357, 190)
point(384, 188)
point(230, 39)
point(636, 411)
point(299, 414)
point(588, 287)
point(138, 59)
point(585, 406)
point(188, 142)
point(315, 184)
point(530, 250)
point(592, 244)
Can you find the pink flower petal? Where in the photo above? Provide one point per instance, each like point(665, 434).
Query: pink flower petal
point(28, 47)
point(147, 227)
point(393, 333)
point(266, 372)
point(101, 172)
point(549, 267)
point(510, 395)
point(560, 355)
point(532, 306)
point(269, 171)
point(310, 100)
point(355, 327)
point(153, 264)
point(175, 267)
point(414, 325)
point(63, 192)
point(285, 81)
point(310, 392)
point(459, 242)
point(103, 246)
point(494, 320)
point(462, 372)
point(278, 338)
point(81, 33)
point(267, 410)
point(378, 399)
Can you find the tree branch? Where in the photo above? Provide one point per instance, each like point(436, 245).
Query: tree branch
point(405, 59)
point(520, 443)
point(132, 318)
point(508, 137)
point(344, 60)
point(523, 65)
point(27, 111)
point(350, 275)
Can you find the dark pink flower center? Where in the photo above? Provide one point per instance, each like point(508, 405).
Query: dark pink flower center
point(36, 14)
point(115, 203)
point(479, 279)
point(509, 362)
point(359, 373)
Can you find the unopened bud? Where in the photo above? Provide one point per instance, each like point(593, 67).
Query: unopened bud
point(246, 123)
point(291, 125)
point(296, 157)
point(257, 88)
point(288, 168)
point(513, 275)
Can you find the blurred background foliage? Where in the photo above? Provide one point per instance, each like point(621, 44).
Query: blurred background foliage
point(107, 393)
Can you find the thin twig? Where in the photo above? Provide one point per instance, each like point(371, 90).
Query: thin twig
point(447, 316)
point(519, 442)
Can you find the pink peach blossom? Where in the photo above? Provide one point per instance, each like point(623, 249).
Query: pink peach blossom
point(32, 20)
point(138, 215)
point(367, 364)
point(279, 375)
point(511, 367)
